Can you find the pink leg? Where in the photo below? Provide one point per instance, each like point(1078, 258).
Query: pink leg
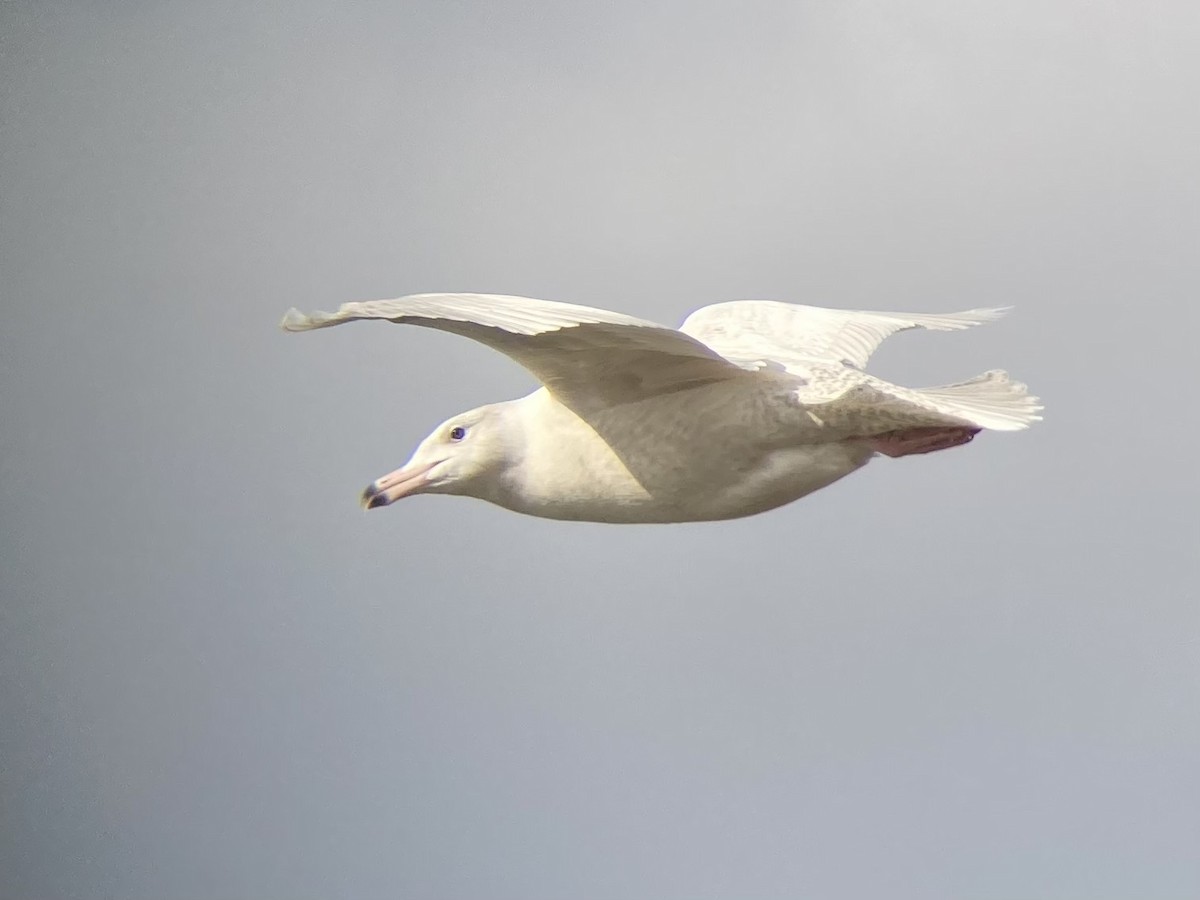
point(910, 441)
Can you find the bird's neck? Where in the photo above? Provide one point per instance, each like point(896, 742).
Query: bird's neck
point(559, 467)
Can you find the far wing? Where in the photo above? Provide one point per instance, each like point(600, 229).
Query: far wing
point(589, 358)
point(759, 334)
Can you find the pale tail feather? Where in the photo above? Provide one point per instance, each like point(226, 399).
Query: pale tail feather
point(989, 400)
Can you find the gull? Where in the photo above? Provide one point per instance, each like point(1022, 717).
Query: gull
point(747, 406)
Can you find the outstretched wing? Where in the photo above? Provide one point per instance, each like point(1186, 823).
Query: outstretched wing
point(760, 334)
point(829, 348)
point(588, 358)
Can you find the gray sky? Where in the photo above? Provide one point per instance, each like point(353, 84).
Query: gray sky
point(969, 675)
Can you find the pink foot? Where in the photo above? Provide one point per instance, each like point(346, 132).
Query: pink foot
point(910, 441)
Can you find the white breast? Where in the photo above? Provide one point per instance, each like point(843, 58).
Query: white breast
point(708, 453)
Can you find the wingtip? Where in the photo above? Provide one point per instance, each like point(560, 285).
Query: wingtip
point(986, 314)
point(294, 320)
point(957, 321)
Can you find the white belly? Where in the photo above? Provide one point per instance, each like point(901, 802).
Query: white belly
point(692, 458)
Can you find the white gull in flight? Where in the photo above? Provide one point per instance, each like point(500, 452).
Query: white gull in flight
point(747, 406)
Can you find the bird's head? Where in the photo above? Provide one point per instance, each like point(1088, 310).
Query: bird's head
point(466, 454)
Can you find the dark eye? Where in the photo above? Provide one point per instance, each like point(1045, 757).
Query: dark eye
point(457, 433)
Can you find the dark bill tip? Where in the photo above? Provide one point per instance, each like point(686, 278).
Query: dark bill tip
point(372, 497)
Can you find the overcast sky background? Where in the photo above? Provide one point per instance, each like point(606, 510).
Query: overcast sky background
point(968, 675)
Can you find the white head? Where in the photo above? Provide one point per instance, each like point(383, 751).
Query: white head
point(466, 455)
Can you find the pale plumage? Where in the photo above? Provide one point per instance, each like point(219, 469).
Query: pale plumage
point(749, 405)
